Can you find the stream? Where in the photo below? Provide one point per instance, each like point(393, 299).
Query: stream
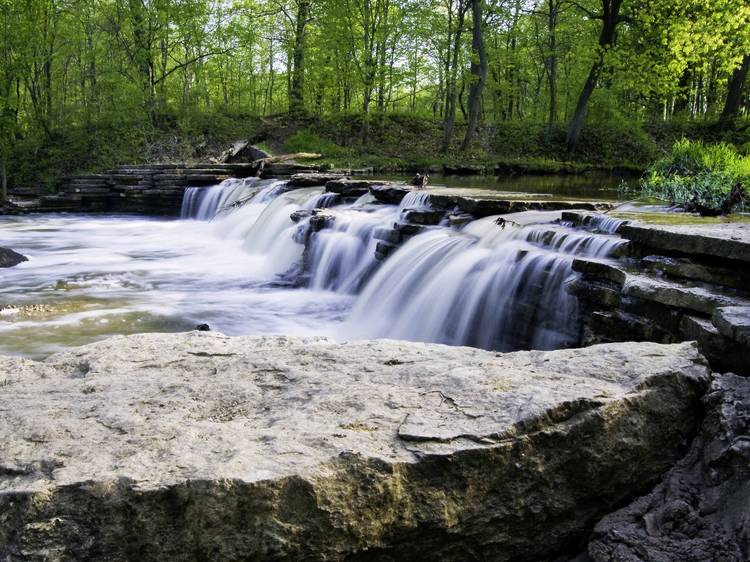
point(237, 262)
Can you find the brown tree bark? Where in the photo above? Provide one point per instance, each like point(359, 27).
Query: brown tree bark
point(478, 72)
point(611, 18)
point(734, 93)
point(297, 89)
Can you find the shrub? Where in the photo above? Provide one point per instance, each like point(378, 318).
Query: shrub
point(703, 177)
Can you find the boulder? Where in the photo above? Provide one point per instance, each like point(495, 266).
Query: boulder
point(202, 446)
point(701, 510)
point(10, 258)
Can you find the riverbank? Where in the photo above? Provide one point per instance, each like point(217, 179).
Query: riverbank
point(398, 143)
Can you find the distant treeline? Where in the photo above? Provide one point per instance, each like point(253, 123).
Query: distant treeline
point(140, 64)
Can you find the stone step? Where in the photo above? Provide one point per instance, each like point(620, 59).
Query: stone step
point(314, 179)
point(699, 270)
point(726, 240)
point(733, 322)
point(693, 297)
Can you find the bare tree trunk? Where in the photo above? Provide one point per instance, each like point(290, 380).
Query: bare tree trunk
point(734, 93)
point(297, 89)
point(478, 72)
point(3, 182)
point(554, 8)
point(610, 19)
point(451, 79)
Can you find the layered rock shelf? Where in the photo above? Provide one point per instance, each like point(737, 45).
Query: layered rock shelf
point(201, 446)
point(675, 283)
point(153, 189)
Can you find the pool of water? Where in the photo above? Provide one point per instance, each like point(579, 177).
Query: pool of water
point(595, 186)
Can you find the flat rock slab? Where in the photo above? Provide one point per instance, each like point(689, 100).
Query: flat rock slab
point(734, 322)
point(202, 446)
point(730, 240)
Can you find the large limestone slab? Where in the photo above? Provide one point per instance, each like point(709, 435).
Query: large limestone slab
point(729, 240)
point(201, 446)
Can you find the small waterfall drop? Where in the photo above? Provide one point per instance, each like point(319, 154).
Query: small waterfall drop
point(487, 286)
point(204, 203)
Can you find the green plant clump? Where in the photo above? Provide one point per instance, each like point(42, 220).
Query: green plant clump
point(706, 178)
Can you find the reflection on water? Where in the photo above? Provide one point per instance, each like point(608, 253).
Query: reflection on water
point(595, 186)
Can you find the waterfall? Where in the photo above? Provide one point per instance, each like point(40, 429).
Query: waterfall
point(493, 284)
point(487, 286)
point(341, 258)
point(204, 203)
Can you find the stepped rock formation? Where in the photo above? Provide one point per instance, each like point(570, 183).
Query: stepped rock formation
point(200, 446)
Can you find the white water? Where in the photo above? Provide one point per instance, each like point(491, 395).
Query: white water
point(490, 287)
point(487, 286)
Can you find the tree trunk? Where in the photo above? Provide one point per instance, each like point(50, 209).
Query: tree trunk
point(734, 93)
point(478, 72)
point(297, 90)
point(610, 19)
point(3, 182)
point(452, 78)
point(554, 7)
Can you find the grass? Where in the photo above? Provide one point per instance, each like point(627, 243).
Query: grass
point(709, 178)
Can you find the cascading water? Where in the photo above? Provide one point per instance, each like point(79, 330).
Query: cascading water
point(205, 203)
point(342, 258)
point(487, 286)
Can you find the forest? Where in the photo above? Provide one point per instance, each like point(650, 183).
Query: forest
point(88, 83)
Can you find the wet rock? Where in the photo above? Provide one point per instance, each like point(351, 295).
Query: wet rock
point(424, 216)
point(691, 268)
point(10, 258)
point(201, 446)
point(391, 194)
point(696, 298)
point(384, 249)
point(203, 328)
point(388, 235)
point(351, 188)
point(313, 179)
point(734, 322)
point(728, 240)
point(300, 215)
point(319, 221)
point(724, 354)
point(701, 510)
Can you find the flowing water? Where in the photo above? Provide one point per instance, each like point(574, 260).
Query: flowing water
point(237, 261)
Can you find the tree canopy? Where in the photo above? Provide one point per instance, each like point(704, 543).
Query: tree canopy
point(73, 63)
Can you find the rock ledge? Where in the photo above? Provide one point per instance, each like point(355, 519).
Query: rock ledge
point(201, 446)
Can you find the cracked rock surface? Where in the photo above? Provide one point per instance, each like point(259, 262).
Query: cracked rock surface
point(200, 446)
point(700, 512)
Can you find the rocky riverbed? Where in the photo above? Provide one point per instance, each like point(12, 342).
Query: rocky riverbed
point(202, 446)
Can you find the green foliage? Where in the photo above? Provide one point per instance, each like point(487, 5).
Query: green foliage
point(697, 173)
point(307, 141)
